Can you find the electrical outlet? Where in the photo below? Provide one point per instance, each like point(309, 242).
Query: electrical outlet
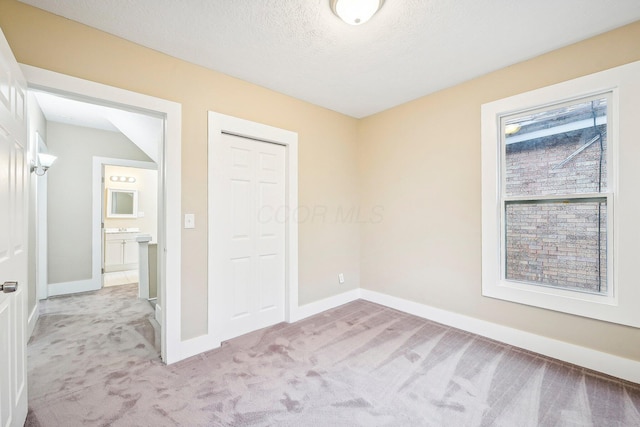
point(341, 278)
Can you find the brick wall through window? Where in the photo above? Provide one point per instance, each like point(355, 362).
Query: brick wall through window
point(560, 243)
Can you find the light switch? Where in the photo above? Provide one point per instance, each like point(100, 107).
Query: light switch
point(189, 221)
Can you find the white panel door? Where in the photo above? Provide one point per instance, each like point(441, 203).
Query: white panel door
point(248, 229)
point(13, 240)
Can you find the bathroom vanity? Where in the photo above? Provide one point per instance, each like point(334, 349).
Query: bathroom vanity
point(120, 249)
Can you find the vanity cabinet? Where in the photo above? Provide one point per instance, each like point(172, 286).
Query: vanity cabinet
point(120, 252)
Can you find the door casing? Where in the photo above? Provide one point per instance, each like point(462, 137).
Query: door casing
point(169, 179)
point(220, 124)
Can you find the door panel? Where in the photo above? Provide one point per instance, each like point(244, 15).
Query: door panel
point(20, 104)
point(112, 254)
point(130, 252)
point(19, 212)
point(268, 281)
point(241, 287)
point(249, 250)
point(13, 240)
point(5, 193)
point(5, 85)
point(240, 195)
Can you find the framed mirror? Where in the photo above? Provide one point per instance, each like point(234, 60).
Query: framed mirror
point(122, 203)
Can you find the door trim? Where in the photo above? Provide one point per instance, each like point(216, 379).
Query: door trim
point(40, 185)
point(169, 179)
point(220, 124)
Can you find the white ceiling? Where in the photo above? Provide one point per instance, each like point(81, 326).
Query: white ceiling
point(298, 47)
point(143, 130)
point(64, 110)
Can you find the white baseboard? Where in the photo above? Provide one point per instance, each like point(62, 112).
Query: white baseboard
point(598, 361)
point(197, 345)
point(120, 267)
point(316, 307)
point(65, 288)
point(203, 343)
point(33, 319)
point(582, 356)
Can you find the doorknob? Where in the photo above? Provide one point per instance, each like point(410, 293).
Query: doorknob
point(8, 287)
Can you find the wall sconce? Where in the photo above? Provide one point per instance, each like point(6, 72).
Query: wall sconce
point(128, 179)
point(44, 163)
point(355, 12)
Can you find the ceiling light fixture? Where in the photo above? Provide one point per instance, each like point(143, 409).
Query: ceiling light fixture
point(355, 12)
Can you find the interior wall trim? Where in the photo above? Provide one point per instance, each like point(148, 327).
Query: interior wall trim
point(170, 179)
point(606, 363)
point(207, 342)
point(33, 319)
point(74, 287)
point(219, 125)
point(198, 345)
point(317, 307)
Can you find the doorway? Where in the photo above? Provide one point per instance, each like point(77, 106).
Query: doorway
point(129, 219)
point(253, 257)
point(169, 223)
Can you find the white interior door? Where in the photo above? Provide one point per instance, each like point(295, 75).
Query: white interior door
point(13, 240)
point(248, 250)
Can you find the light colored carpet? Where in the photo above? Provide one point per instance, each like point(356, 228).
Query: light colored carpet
point(92, 362)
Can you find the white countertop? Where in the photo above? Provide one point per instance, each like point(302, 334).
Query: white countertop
point(122, 230)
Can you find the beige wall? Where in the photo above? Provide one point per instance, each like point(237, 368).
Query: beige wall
point(147, 186)
point(327, 144)
point(421, 162)
point(70, 193)
point(418, 165)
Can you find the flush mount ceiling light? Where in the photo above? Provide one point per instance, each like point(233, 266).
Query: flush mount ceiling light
point(355, 12)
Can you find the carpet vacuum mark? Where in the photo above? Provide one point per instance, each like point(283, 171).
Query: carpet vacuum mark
point(93, 361)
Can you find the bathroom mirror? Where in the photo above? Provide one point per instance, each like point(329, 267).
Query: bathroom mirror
point(122, 203)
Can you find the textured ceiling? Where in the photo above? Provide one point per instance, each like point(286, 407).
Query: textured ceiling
point(298, 47)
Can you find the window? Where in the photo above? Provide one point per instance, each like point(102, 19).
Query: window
point(557, 223)
point(554, 195)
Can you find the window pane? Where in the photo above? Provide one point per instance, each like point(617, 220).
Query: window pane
point(557, 151)
point(559, 244)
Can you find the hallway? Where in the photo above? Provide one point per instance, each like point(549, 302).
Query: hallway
point(83, 342)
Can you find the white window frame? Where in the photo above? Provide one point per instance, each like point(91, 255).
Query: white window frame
point(619, 304)
point(608, 196)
